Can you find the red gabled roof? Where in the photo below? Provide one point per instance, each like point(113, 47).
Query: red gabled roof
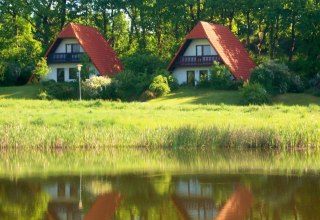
point(95, 45)
point(227, 46)
point(104, 207)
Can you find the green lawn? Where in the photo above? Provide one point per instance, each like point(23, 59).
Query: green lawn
point(217, 97)
point(19, 92)
point(180, 97)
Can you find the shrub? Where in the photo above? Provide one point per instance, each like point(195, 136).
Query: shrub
point(172, 82)
point(43, 95)
point(109, 92)
point(315, 86)
point(254, 94)
point(203, 83)
point(315, 82)
point(41, 69)
point(130, 85)
point(274, 77)
point(220, 77)
point(61, 91)
point(147, 95)
point(159, 86)
point(143, 63)
point(296, 84)
point(93, 86)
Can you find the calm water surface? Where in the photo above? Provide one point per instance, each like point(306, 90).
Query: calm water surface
point(161, 197)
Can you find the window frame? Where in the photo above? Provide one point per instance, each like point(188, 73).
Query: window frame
point(72, 49)
point(76, 73)
point(202, 50)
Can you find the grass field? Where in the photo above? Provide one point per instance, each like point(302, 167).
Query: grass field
point(182, 96)
point(98, 136)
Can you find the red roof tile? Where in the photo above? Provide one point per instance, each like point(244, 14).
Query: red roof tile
point(96, 47)
point(227, 46)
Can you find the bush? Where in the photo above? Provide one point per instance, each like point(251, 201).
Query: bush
point(147, 95)
point(172, 82)
point(130, 85)
point(315, 82)
point(314, 85)
point(254, 94)
point(109, 92)
point(159, 86)
point(41, 69)
point(203, 83)
point(93, 87)
point(144, 63)
point(296, 85)
point(43, 95)
point(61, 91)
point(274, 77)
point(221, 77)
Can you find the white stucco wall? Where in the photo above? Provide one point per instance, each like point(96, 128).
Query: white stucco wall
point(53, 71)
point(62, 46)
point(191, 50)
point(180, 73)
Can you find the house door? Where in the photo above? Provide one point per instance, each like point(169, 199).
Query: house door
point(60, 75)
point(191, 78)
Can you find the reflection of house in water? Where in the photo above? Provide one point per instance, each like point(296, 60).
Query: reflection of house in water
point(194, 200)
point(66, 204)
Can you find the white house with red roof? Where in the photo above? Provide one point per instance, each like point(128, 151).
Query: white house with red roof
point(205, 44)
point(71, 44)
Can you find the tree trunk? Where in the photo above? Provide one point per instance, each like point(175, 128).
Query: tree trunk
point(248, 28)
point(293, 37)
point(63, 13)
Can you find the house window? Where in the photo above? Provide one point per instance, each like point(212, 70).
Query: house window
point(72, 48)
point(61, 190)
point(73, 73)
point(190, 78)
point(60, 75)
point(203, 50)
point(203, 75)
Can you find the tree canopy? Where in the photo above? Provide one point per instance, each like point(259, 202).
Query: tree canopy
point(288, 30)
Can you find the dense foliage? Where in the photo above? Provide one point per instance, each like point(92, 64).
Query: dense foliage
point(219, 77)
point(276, 78)
point(283, 29)
point(62, 91)
point(159, 85)
point(254, 94)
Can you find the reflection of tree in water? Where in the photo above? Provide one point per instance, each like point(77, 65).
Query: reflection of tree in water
point(150, 197)
point(22, 201)
point(144, 197)
point(281, 197)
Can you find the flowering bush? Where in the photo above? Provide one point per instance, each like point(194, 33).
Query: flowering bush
point(93, 86)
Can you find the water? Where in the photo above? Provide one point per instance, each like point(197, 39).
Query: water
point(162, 196)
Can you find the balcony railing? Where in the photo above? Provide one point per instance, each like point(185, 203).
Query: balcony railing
point(197, 60)
point(65, 57)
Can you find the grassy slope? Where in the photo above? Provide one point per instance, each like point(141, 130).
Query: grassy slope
point(182, 96)
point(19, 92)
point(209, 96)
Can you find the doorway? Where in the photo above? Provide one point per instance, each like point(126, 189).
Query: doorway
point(60, 75)
point(191, 78)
